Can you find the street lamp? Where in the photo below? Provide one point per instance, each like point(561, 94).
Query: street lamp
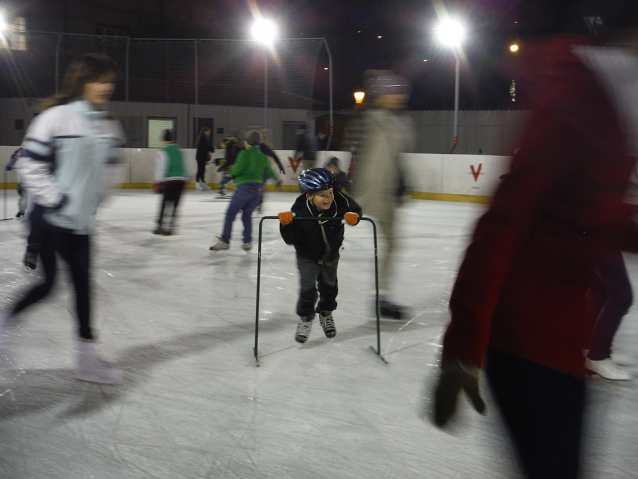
point(265, 32)
point(452, 33)
point(359, 96)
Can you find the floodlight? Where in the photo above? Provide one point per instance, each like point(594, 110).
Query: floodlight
point(451, 33)
point(359, 96)
point(264, 31)
point(513, 48)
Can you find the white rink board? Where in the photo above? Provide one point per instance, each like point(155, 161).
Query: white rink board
point(476, 175)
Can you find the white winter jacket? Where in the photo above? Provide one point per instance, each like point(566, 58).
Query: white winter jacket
point(65, 167)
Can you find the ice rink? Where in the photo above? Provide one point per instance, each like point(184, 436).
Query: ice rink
point(181, 325)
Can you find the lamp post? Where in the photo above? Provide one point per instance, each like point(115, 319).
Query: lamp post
point(265, 32)
point(452, 33)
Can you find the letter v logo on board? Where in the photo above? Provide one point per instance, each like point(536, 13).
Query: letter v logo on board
point(477, 172)
point(295, 164)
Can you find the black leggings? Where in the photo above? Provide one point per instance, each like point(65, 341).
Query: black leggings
point(172, 194)
point(201, 169)
point(75, 251)
point(543, 410)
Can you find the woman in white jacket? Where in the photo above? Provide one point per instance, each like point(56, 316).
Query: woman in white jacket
point(65, 160)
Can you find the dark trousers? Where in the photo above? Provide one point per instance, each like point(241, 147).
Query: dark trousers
point(612, 299)
point(75, 251)
point(172, 194)
point(201, 170)
point(315, 276)
point(543, 410)
point(35, 238)
point(245, 199)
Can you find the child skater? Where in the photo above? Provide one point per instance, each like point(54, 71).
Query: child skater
point(170, 178)
point(317, 244)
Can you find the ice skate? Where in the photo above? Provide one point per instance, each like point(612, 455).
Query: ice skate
point(199, 186)
point(392, 311)
point(328, 324)
point(30, 261)
point(247, 246)
point(605, 368)
point(303, 329)
point(221, 193)
point(94, 369)
point(219, 246)
point(205, 187)
point(160, 231)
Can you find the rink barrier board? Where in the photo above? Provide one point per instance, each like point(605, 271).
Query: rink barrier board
point(376, 279)
point(461, 178)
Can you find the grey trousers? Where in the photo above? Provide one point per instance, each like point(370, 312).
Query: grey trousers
point(316, 278)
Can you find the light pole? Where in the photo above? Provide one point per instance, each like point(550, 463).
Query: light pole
point(452, 33)
point(265, 32)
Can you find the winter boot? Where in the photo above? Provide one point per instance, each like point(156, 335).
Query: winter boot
point(247, 246)
point(328, 324)
point(303, 329)
point(94, 369)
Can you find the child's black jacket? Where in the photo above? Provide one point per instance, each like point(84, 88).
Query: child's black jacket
point(307, 236)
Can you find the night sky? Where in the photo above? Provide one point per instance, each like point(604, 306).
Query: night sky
point(353, 27)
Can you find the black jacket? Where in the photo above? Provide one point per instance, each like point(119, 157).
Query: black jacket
point(307, 236)
point(203, 148)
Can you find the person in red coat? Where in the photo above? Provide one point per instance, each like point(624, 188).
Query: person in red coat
point(519, 304)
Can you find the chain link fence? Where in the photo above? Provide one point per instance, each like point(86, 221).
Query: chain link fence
point(198, 72)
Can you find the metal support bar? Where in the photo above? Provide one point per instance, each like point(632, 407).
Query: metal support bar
point(376, 281)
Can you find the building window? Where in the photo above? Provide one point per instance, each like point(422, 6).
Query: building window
point(156, 129)
point(17, 34)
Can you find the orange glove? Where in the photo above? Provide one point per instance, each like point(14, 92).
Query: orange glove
point(351, 218)
point(285, 218)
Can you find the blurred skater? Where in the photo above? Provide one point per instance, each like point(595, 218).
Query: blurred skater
point(170, 178)
point(202, 156)
point(317, 245)
point(34, 239)
point(384, 132)
point(66, 156)
point(610, 299)
point(343, 180)
point(519, 303)
point(306, 144)
point(266, 150)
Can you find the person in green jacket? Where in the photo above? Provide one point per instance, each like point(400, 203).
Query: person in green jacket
point(170, 178)
point(249, 171)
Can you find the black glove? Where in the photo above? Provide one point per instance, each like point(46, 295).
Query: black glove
point(281, 170)
point(456, 376)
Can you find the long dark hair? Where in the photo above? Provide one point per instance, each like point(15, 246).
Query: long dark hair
point(87, 68)
point(203, 130)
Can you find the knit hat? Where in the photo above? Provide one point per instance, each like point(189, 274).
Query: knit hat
point(168, 136)
point(253, 138)
point(334, 161)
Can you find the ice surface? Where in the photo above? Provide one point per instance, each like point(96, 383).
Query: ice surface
point(181, 325)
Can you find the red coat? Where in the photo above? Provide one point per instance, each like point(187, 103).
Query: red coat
point(522, 286)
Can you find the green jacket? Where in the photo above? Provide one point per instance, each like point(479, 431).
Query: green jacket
point(251, 167)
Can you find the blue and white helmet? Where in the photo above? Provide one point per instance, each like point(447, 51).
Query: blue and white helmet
point(316, 179)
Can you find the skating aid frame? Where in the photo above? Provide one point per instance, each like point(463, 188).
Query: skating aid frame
point(376, 281)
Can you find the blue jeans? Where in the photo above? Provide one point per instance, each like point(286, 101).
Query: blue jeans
point(246, 198)
point(614, 297)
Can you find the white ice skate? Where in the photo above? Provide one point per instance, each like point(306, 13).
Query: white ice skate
point(94, 369)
